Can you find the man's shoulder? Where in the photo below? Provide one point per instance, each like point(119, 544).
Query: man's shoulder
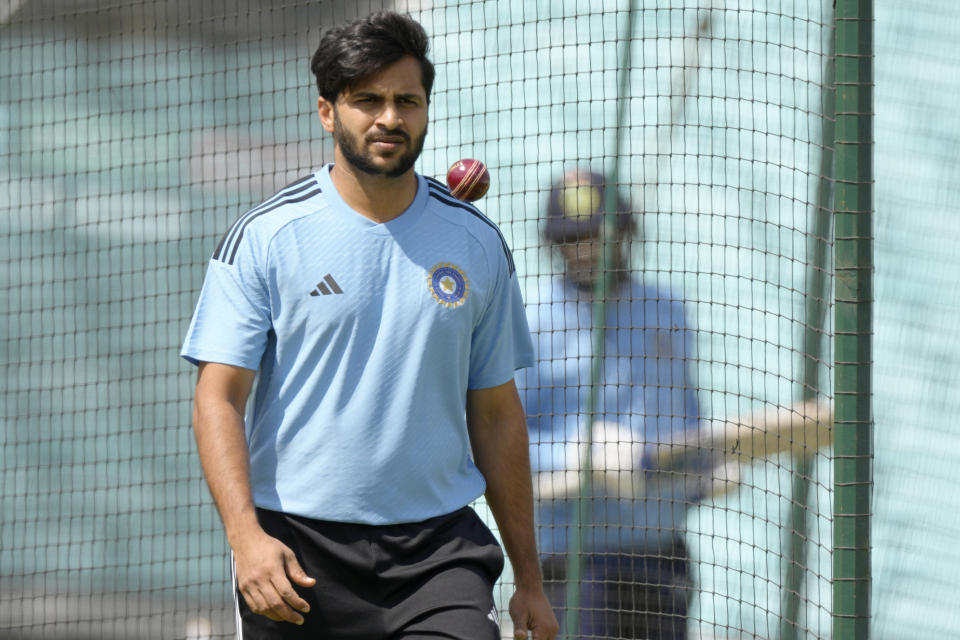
point(300, 198)
point(466, 216)
point(551, 302)
point(458, 212)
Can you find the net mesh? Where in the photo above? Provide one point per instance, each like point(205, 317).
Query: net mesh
point(133, 133)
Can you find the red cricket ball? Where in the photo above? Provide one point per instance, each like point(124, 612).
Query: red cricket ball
point(468, 179)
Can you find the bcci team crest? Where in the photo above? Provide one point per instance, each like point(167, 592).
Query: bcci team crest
point(448, 284)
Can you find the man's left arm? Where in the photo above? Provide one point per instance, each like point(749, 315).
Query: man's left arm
point(498, 436)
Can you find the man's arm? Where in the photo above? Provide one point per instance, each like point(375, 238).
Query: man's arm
point(498, 436)
point(264, 565)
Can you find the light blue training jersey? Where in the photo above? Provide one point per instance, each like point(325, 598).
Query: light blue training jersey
point(646, 388)
point(366, 338)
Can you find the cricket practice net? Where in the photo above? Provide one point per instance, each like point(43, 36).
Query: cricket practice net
point(132, 134)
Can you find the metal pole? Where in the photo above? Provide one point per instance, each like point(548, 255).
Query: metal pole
point(581, 507)
point(813, 341)
point(853, 229)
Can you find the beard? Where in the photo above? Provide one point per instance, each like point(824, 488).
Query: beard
point(352, 150)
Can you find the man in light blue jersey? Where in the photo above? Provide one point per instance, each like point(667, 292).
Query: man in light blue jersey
point(383, 323)
point(635, 569)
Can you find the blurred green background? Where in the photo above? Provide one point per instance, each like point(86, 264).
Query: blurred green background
point(132, 134)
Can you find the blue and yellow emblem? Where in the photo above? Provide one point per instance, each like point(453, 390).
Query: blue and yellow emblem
point(448, 284)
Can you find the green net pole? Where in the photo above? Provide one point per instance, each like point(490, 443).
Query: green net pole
point(813, 340)
point(581, 507)
point(853, 447)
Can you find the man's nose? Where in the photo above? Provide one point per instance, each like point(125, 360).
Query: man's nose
point(389, 117)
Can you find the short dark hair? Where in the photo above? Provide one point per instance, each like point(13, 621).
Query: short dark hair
point(357, 49)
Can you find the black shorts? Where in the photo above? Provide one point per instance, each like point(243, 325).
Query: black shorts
point(430, 579)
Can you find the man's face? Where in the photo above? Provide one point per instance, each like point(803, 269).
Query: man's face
point(380, 124)
point(584, 257)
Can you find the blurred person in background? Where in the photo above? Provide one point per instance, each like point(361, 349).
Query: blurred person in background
point(635, 567)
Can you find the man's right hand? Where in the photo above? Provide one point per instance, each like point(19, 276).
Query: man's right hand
point(264, 565)
point(265, 568)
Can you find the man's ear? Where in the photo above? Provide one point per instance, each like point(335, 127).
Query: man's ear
point(325, 111)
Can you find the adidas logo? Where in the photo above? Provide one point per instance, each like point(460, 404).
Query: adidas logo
point(327, 287)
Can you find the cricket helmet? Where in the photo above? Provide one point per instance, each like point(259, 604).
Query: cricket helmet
point(576, 207)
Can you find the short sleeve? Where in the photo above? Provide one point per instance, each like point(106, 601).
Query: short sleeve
point(500, 343)
point(232, 319)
